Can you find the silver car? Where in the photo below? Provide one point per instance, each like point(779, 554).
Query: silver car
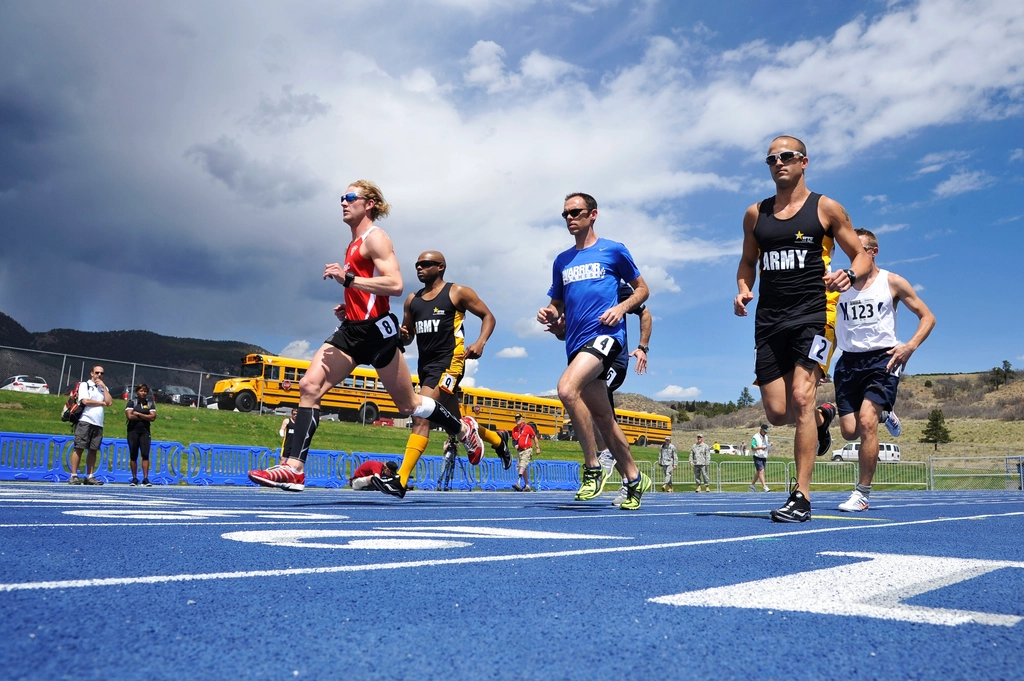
point(27, 384)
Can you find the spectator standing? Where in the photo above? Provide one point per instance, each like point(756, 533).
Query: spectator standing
point(525, 439)
point(94, 396)
point(700, 460)
point(668, 459)
point(140, 412)
point(759, 449)
point(362, 477)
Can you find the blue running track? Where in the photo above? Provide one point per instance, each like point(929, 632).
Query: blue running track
point(213, 583)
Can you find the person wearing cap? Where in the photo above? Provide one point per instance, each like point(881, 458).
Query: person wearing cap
point(759, 450)
point(362, 477)
point(668, 460)
point(700, 461)
point(525, 439)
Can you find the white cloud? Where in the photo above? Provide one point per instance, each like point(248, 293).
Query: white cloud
point(537, 66)
point(676, 392)
point(876, 198)
point(1012, 218)
point(554, 392)
point(1017, 155)
point(529, 327)
point(299, 349)
point(963, 182)
point(487, 68)
point(886, 229)
point(469, 373)
point(933, 163)
point(919, 287)
point(514, 352)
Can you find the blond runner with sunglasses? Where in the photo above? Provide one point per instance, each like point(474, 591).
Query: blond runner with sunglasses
point(369, 334)
point(790, 238)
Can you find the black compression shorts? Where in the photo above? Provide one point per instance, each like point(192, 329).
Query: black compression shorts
point(372, 342)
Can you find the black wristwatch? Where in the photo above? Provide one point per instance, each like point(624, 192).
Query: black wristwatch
point(645, 348)
point(852, 275)
point(349, 277)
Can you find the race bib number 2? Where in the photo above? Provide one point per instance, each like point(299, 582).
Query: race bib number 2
point(820, 348)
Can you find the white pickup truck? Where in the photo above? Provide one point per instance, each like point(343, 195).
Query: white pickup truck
point(887, 452)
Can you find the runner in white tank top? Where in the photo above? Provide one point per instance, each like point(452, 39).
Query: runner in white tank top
point(867, 374)
point(868, 317)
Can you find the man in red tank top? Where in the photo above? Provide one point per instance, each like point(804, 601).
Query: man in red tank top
point(369, 334)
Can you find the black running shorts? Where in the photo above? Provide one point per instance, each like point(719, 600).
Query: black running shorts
point(779, 353)
point(605, 348)
point(372, 342)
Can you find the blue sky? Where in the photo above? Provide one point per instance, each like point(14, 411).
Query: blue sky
point(176, 166)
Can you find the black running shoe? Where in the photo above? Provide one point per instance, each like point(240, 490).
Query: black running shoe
point(828, 410)
point(502, 450)
point(392, 486)
point(797, 509)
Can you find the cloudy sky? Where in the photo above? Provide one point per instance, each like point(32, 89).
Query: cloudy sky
point(176, 167)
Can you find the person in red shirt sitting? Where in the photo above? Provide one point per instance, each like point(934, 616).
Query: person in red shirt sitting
point(362, 477)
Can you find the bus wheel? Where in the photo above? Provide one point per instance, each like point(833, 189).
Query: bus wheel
point(245, 401)
point(641, 441)
point(368, 413)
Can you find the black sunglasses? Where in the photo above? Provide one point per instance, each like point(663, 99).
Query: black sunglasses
point(424, 264)
point(97, 373)
point(574, 213)
point(784, 156)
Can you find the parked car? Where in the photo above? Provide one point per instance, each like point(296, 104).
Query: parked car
point(731, 450)
point(886, 452)
point(178, 394)
point(26, 384)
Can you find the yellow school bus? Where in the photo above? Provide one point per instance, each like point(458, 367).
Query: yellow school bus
point(269, 381)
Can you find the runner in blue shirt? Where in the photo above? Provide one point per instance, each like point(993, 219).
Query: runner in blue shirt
point(584, 288)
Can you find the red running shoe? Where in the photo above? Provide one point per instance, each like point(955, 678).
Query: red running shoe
point(470, 439)
point(283, 477)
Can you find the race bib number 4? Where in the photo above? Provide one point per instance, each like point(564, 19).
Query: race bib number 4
point(820, 348)
point(604, 344)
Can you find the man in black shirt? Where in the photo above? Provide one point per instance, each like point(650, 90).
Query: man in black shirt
point(790, 238)
point(141, 411)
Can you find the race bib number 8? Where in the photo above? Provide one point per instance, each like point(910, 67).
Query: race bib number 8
point(820, 348)
point(387, 327)
point(447, 383)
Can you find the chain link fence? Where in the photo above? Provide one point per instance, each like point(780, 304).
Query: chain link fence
point(62, 372)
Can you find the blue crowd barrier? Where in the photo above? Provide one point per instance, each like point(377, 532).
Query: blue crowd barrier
point(44, 458)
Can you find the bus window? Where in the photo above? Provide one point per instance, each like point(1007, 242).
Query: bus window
point(347, 382)
point(380, 385)
point(302, 372)
point(251, 371)
point(273, 373)
point(370, 383)
point(359, 382)
point(289, 373)
point(503, 404)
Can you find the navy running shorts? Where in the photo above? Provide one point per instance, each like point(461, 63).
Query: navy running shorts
point(862, 376)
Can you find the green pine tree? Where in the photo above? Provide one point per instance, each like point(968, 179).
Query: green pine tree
point(746, 399)
point(935, 430)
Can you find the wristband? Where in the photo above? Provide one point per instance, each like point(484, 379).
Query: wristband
point(349, 277)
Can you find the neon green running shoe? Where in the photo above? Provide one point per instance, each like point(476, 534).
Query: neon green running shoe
point(634, 491)
point(593, 482)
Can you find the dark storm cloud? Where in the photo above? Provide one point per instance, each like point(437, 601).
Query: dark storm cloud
point(290, 111)
point(256, 182)
point(27, 126)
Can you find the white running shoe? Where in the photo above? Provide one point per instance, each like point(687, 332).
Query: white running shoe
point(621, 496)
point(767, 488)
point(856, 502)
point(892, 423)
point(753, 489)
point(606, 461)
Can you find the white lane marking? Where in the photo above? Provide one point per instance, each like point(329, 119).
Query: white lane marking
point(395, 537)
point(195, 514)
point(872, 588)
point(91, 500)
point(162, 579)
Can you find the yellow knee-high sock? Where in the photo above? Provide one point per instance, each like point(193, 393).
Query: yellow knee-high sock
point(414, 449)
point(488, 436)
